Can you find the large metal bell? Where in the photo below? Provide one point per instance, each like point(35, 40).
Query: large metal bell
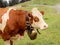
point(33, 35)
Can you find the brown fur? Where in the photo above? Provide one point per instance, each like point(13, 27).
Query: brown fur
point(36, 19)
point(15, 25)
point(42, 12)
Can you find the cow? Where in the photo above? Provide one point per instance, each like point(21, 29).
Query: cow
point(13, 24)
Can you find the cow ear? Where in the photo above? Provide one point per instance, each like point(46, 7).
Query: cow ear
point(42, 12)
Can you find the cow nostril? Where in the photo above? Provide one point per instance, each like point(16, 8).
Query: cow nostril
point(44, 26)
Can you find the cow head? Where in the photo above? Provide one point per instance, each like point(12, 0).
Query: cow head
point(38, 21)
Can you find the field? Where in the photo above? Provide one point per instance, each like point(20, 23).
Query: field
point(50, 36)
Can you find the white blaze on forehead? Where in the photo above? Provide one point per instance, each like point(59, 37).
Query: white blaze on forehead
point(35, 12)
point(5, 17)
point(41, 24)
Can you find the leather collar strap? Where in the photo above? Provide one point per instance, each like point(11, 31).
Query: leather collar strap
point(29, 27)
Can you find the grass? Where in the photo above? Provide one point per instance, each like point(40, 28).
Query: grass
point(51, 36)
point(44, 2)
point(48, 2)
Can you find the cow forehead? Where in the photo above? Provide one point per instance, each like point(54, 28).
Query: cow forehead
point(35, 12)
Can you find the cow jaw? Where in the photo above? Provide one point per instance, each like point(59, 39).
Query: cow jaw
point(40, 24)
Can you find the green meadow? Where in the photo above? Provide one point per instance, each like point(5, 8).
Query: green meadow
point(50, 36)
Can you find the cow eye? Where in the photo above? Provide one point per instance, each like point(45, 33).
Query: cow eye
point(36, 19)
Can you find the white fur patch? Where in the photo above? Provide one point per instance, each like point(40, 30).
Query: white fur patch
point(5, 17)
point(14, 38)
point(7, 42)
point(41, 24)
point(36, 12)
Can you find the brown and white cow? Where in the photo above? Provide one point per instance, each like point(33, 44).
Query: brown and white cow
point(13, 23)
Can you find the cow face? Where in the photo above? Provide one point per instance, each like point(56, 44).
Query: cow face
point(38, 21)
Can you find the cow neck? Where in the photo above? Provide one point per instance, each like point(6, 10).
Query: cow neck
point(29, 27)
